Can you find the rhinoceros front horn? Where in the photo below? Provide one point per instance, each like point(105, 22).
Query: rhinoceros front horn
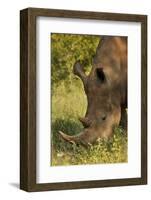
point(73, 139)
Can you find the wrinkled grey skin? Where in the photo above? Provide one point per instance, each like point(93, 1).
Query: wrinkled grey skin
point(106, 91)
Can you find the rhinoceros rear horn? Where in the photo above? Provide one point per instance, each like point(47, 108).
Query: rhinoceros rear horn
point(85, 121)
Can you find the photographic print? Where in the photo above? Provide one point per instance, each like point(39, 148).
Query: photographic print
point(89, 99)
point(83, 99)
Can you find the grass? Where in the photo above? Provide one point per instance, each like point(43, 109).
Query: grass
point(69, 103)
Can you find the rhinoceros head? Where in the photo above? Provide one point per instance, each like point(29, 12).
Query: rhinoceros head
point(103, 88)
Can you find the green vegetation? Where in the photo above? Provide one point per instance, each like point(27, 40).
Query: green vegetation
point(66, 50)
point(69, 103)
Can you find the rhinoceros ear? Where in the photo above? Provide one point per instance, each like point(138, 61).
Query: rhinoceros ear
point(79, 71)
point(100, 74)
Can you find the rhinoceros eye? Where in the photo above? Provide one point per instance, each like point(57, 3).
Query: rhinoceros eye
point(100, 74)
point(104, 118)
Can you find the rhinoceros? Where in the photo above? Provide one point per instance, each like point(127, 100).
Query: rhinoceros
point(106, 91)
